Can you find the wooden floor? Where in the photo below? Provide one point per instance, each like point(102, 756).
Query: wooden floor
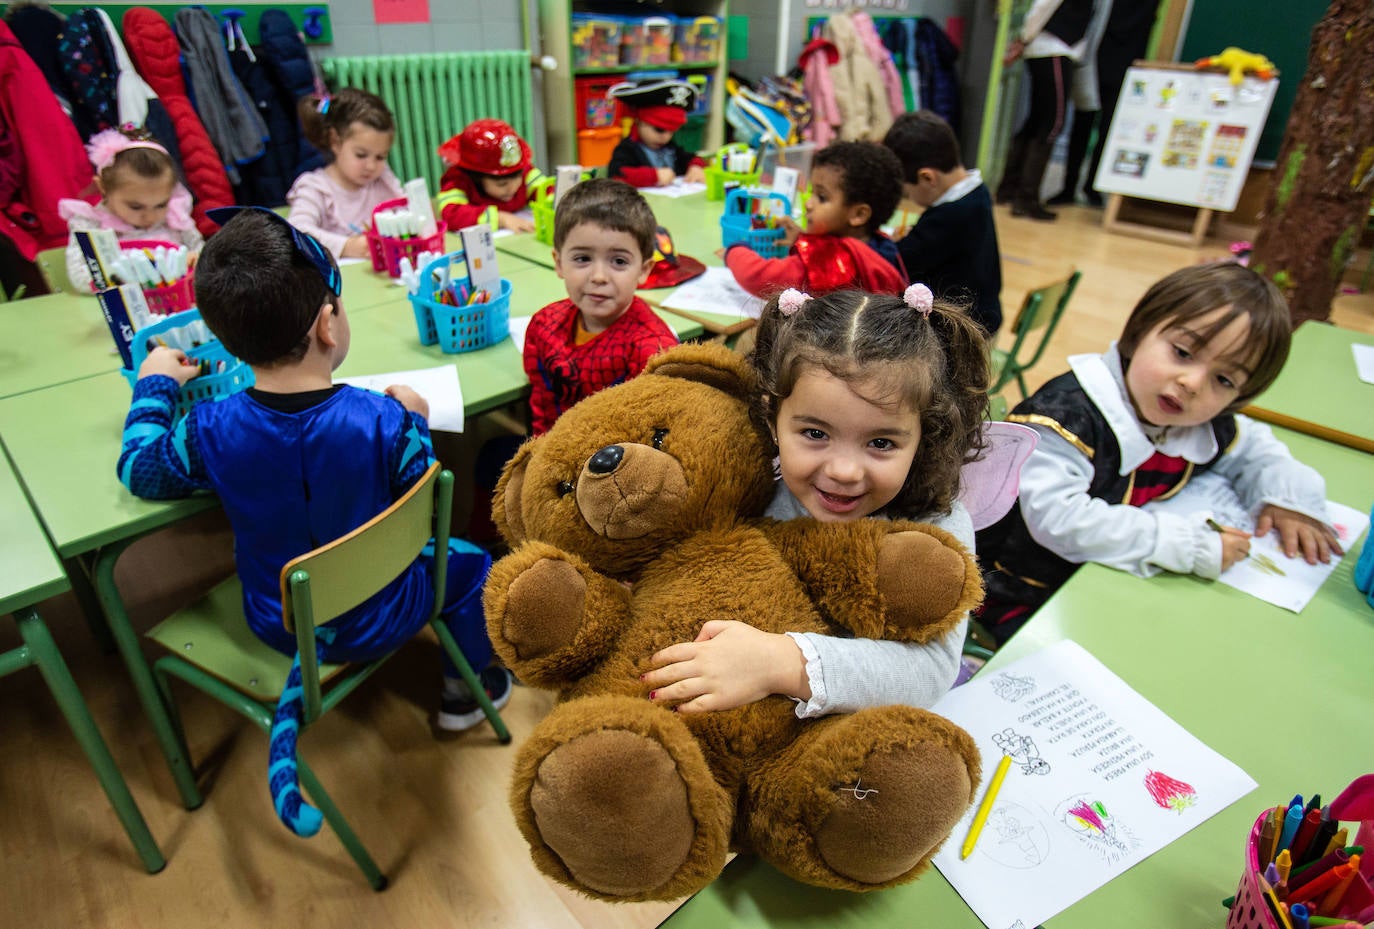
point(433, 810)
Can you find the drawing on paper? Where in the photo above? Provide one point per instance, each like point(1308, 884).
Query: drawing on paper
point(1019, 924)
point(1014, 837)
point(1097, 829)
point(1169, 793)
point(1011, 688)
point(1022, 750)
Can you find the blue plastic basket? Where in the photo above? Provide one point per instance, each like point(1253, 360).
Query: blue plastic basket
point(458, 328)
point(1364, 568)
point(235, 376)
point(737, 228)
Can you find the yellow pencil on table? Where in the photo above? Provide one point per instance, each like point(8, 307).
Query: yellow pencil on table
point(985, 808)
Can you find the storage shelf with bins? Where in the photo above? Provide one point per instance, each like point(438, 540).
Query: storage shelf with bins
point(562, 99)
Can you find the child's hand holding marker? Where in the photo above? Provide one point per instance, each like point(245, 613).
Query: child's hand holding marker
point(1235, 543)
point(169, 361)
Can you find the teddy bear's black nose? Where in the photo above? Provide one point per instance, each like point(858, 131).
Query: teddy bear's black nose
point(606, 460)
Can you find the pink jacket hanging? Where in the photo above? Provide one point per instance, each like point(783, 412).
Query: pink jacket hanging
point(816, 60)
point(880, 56)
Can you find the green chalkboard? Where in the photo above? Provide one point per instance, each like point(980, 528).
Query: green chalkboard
point(1281, 31)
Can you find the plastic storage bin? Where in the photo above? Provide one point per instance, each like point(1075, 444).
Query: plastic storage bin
point(388, 251)
point(717, 176)
point(594, 146)
point(235, 376)
point(595, 41)
point(740, 224)
point(1249, 910)
point(696, 40)
point(175, 297)
point(458, 328)
point(595, 110)
point(541, 206)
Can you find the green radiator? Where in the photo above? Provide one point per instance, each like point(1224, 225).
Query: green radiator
point(433, 96)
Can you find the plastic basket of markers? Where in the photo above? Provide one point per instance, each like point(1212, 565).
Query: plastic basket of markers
point(752, 218)
point(388, 250)
point(448, 311)
point(1325, 885)
point(541, 206)
point(167, 297)
point(735, 164)
point(221, 374)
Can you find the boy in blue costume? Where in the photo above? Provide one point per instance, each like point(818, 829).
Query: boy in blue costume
point(297, 460)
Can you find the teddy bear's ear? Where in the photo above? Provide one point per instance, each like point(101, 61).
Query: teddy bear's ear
point(711, 364)
point(505, 504)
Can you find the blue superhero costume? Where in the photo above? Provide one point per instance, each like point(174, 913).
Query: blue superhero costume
point(290, 480)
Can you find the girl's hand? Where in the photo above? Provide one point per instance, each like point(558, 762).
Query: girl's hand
point(409, 399)
point(790, 230)
point(1014, 50)
point(169, 361)
point(355, 247)
point(696, 174)
point(730, 664)
point(666, 176)
point(1299, 533)
point(514, 223)
point(1235, 546)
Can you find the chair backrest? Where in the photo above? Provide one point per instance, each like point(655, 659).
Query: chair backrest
point(1042, 309)
point(52, 264)
point(329, 581)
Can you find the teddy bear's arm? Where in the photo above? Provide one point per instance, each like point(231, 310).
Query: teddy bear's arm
point(551, 616)
point(882, 579)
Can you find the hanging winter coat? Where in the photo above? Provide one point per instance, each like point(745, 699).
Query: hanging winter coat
point(882, 58)
point(859, 88)
point(89, 67)
point(37, 28)
point(816, 62)
point(155, 53)
point(939, 76)
point(229, 116)
point(44, 147)
point(283, 51)
point(266, 181)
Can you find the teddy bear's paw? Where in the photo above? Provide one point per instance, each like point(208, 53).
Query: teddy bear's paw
point(924, 581)
point(544, 608)
point(864, 801)
point(617, 800)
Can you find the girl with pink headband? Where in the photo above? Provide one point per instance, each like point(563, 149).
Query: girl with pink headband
point(140, 198)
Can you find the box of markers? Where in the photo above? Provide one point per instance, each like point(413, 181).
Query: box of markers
point(221, 374)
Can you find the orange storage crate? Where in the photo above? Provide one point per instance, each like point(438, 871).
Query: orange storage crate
point(594, 146)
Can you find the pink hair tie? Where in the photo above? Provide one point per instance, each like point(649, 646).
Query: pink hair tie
point(104, 146)
point(920, 299)
point(791, 300)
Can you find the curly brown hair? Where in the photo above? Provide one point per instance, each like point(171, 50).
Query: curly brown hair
point(940, 365)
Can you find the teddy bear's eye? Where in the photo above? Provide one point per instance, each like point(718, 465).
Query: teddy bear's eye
point(659, 435)
point(565, 488)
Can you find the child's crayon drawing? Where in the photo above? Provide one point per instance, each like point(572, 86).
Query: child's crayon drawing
point(1100, 832)
point(1169, 793)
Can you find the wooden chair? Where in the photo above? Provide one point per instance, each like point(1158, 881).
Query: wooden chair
point(1040, 312)
point(212, 648)
point(52, 264)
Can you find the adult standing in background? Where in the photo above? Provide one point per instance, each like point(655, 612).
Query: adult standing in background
point(1086, 95)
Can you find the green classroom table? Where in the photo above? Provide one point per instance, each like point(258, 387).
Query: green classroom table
point(29, 573)
point(1288, 697)
point(1318, 391)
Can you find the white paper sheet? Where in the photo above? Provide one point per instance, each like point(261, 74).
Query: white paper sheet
point(518, 325)
point(345, 262)
point(526, 213)
point(1267, 573)
point(439, 386)
point(1100, 780)
point(714, 292)
point(1364, 362)
point(678, 188)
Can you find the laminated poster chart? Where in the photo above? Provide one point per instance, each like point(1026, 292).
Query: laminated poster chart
point(1100, 779)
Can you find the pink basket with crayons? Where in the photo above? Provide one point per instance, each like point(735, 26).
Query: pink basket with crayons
point(221, 374)
point(449, 311)
point(387, 251)
point(165, 297)
point(752, 217)
point(1314, 887)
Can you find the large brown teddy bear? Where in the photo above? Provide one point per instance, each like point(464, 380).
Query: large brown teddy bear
point(633, 521)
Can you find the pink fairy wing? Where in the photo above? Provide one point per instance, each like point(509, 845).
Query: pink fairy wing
point(988, 486)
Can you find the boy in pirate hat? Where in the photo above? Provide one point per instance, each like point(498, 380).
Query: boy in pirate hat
point(648, 157)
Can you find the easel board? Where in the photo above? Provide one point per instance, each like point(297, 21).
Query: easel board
point(1183, 136)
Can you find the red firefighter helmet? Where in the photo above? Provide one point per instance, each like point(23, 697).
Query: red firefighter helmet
point(488, 146)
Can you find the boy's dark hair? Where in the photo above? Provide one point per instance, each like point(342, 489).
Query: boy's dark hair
point(256, 292)
point(869, 174)
point(340, 111)
point(141, 162)
point(923, 140)
point(611, 204)
point(938, 365)
point(1195, 291)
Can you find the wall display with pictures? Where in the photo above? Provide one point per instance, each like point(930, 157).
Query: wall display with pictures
point(1184, 136)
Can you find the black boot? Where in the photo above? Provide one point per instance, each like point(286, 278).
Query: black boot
point(1032, 209)
point(1027, 202)
point(1009, 189)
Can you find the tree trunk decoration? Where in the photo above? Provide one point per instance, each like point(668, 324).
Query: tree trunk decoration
point(1319, 200)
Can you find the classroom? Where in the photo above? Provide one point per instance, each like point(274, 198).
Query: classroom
point(158, 814)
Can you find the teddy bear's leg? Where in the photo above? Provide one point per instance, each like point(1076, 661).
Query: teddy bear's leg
point(882, 579)
point(550, 615)
point(863, 801)
point(616, 799)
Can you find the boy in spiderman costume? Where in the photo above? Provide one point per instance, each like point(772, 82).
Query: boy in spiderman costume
point(490, 178)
